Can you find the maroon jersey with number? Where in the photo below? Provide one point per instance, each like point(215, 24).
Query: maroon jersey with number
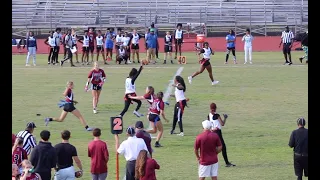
point(33, 176)
point(92, 37)
point(149, 97)
point(156, 106)
point(19, 155)
point(69, 97)
point(96, 76)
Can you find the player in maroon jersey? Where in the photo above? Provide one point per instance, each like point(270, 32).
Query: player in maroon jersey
point(18, 153)
point(156, 109)
point(92, 37)
point(149, 96)
point(13, 139)
point(68, 106)
point(96, 77)
point(28, 173)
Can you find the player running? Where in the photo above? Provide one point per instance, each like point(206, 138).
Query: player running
point(130, 86)
point(96, 77)
point(68, 106)
point(206, 51)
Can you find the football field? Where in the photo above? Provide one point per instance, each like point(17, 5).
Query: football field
point(263, 101)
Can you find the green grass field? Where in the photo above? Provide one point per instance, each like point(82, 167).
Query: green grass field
point(263, 101)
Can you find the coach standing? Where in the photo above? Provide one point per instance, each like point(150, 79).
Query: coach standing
point(287, 39)
point(210, 145)
point(58, 38)
point(130, 148)
point(28, 139)
point(156, 33)
point(141, 133)
point(299, 142)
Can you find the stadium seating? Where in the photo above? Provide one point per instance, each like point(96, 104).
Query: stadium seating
point(66, 13)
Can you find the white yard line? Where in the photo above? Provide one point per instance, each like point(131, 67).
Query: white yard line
point(156, 67)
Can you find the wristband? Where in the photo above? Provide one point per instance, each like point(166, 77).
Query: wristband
point(87, 84)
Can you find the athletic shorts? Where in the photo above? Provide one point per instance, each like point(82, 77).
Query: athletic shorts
point(100, 48)
point(91, 49)
point(205, 62)
point(85, 49)
point(96, 87)
point(109, 45)
point(134, 46)
point(286, 48)
point(208, 171)
point(231, 48)
point(154, 117)
point(167, 48)
point(178, 41)
point(69, 107)
point(126, 98)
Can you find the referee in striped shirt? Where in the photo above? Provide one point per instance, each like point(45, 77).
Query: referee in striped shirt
point(28, 139)
point(287, 40)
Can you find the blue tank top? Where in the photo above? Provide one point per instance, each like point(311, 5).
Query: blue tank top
point(230, 44)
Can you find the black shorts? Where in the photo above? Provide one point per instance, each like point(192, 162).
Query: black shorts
point(69, 107)
point(286, 48)
point(231, 48)
point(91, 49)
point(206, 63)
point(85, 49)
point(154, 117)
point(116, 47)
point(178, 41)
point(167, 48)
point(134, 46)
point(100, 48)
point(96, 87)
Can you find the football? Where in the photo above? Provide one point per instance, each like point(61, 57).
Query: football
point(78, 174)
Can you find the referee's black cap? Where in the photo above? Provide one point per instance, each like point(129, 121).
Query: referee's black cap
point(31, 125)
point(131, 131)
point(301, 121)
point(287, 27)
point(139, 125)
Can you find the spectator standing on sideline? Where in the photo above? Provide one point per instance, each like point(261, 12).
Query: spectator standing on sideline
point(68, 45)
point(58, 38)
point(287, 39)
point(157, 44)
point(66, 154)
point(209, 145)
point(299, 142)
point(130, 148)
point(18, 153)
point(99, 154)
point(28, 139)
point(44, 157)
point(152, 42)
point(247, 38)
point(32, 48)
point(92, 38)
point(145, 167)
point(304, 43)
point(231, 46)
point(141, 133)
point(13, 139)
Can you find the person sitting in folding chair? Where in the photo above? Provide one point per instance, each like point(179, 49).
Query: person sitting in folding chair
point(122, 55)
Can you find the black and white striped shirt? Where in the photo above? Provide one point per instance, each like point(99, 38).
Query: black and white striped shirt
point(28, 140)
point(287, 37)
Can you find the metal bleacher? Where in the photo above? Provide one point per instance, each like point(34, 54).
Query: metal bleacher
point(66, 13)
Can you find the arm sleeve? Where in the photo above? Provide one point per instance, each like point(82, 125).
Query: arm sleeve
point(136, 76)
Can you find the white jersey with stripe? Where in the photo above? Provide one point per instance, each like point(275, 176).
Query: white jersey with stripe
point(51, 41)
point(86, 40)
point(99, 40)
point(125, 41)
point(130, 88)
point(178, 34)
point(122, 52)
point(287, 37)
point(215, 122)
point(28, 140)
point(207, 53)
point(135, 39)
point(74, 38)
point(179, 94)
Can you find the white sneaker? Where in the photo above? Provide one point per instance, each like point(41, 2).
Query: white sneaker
point(95, 111)
point(235, 62)
point(89, 129)
point(190, 79)
point(27, 64)
point(250, 62)
point(34, 65)
point(245, 63)
point(180, 134)
point(215, 82)
point(137, 113)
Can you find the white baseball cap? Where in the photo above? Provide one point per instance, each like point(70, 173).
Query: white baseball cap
point(206, 124)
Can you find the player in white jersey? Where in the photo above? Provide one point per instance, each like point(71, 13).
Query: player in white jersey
point(206, 51)
point(126, 42)
point(118, 41)
point(217, 124)
point(58, 37)
point(247, 46)
point(52, 44)
point(75, 40)
point(167, 47)
point(145, 38)
point(85, 47)
point(135, 45)
point(122, 55)
point(178, 39)
point(99, 44)
point(180, 89)
point(130, 86)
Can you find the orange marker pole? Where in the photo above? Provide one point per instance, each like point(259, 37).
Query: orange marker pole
point(117, 166)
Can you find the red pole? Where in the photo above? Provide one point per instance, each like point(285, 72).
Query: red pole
point(117, 166)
